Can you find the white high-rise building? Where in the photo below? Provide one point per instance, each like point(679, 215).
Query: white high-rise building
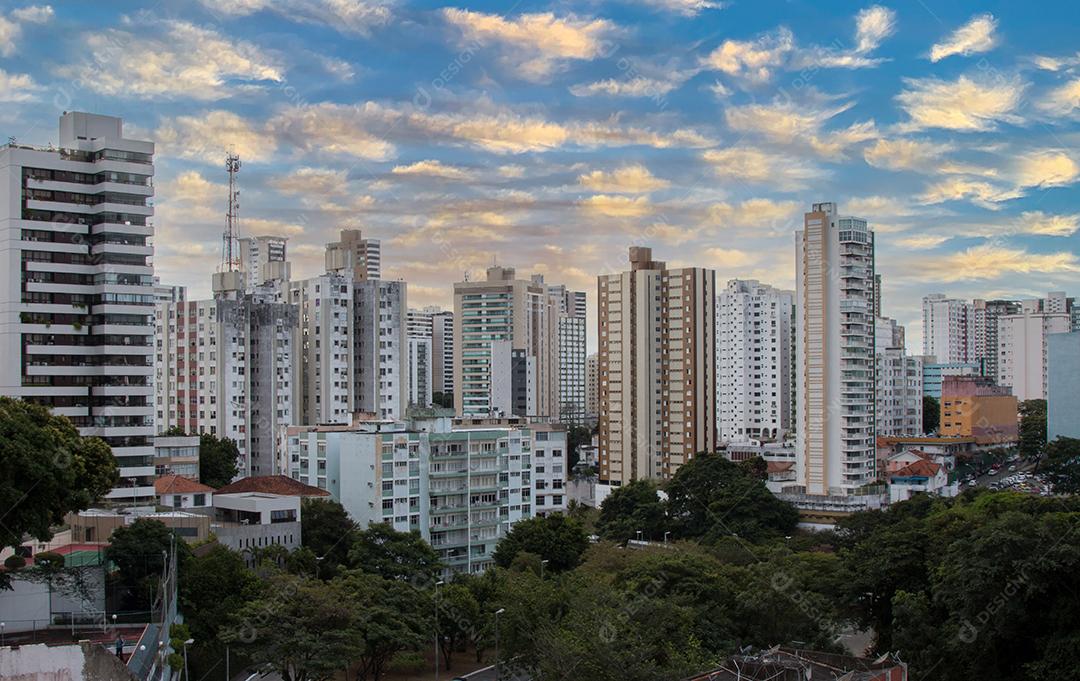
point(362, 257)
point(987, 313)
point(754, 325)
point(324, 344)
point(419, 371)
point(380, 350)
point(948, 329)
point(442, 351)
point(899, 394)
point(572, 352)
point(834, 340)
point(225, 367)
point(1022, 350)
point(77, 290)
point(263, 260)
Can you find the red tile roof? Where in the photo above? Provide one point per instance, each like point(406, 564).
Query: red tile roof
point(273, 484)
point(778, 466)
point(920, 468)
point(174, 484)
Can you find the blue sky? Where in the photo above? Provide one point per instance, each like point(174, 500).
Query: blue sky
point(551, 136)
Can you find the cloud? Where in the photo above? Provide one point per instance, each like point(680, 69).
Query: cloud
point(872, 26)
point(627, 87)
point(346, 16)
point(535, 45)
point(920, 242)
point(1045, 168)
point(719, 258)
point(789, 123)
point(616, 206)
point(991, 261)
point(632, 179)
point(878, 207)
point(976, 36)
point(963, 104)
point(753, 60)
point(317, 182)
point(978, 192)
point(336, 129)
point(171, 59)
point(11, 25)
point(1040, 223)
point(905, 154)
point(1041, 168)
point(433, 168)
point(1062, 100)
point(758, 213)
point(687, 8)
point(753, 165)
point(17, 87)
point(210, 135)
point(1055, 63)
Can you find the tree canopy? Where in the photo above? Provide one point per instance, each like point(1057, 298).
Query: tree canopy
point(381, 550)
point(931, 414)
point(328, 531)
point(217, 460)
point(1062, 465)
point(46, 470)
point(556, 538)
point(632, 508)
point(1032, 427)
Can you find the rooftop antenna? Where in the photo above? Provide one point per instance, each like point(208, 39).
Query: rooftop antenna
point(230, 259)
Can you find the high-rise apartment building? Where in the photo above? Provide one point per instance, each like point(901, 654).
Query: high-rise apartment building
point(77, 294)
point(324, 341)
point(973, 406)
point(380, 349)
point(1022, 350)
point(442, 351)
point(354, 253)
point(948, 329)
point(263, 260)
point(572, 352)
point(987, 313)
point(899, 393)
point(1062, 386)
point(225, 367)
point(592, 387)
point(506, 353)
point(419, 371)
point(754, 325)
point(656, 368)
point(834, 262)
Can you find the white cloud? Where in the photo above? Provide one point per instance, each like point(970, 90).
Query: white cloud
point(433, 168)
point(11, 25)
point(1043, 224)
point(752, 165)
point(346, 16)
point(1045, 168)
point(976, 36)
point(991, 261)
point(920, 242)
point(181, 60)
point(905, 154)
point(979, 192)
point(535, 45)
point(1062, 100)
point(687, 8)
point(318, 182)
point(963, 104)
point(626, 87)
point(872, 26)
point(616, 206)
point(792, 124)
point(753, 60)
point(17, 87)
point(335, 129)
point(208, 136)
point(758, 213)
point(631, 179)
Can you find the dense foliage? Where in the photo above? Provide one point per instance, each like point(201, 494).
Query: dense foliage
point(931, 414)
point(1061, 465)
point(1032, 427)
point(46, 471)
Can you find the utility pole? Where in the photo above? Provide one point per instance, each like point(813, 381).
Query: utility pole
point(230, 260)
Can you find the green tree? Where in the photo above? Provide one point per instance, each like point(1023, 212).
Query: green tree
point(46, 471)
point(1032, 427)
point(382, 550)
point(392, 616)
point(140, 549)
point(444, 400)
point(303, 629)
point(214, 586)
point(328, 531)
point(1061, 465)
point(556, 538)
point(931, 414)
point(712, 497)
point(459, 615)
point(575, 437)
point(217, 460)
point(632, 508)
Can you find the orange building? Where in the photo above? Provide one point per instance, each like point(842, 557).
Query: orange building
point(974, 406)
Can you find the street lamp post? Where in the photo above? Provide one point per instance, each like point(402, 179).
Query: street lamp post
point(187, 670)
point(437, 585)
point(666, 533)
point(542, 564)
point(498, 665)
point(318, 565)
point(639, 535)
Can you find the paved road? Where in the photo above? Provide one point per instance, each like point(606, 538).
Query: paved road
point(986, 479)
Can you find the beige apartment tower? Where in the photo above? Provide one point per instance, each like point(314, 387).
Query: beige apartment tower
point(656, 368)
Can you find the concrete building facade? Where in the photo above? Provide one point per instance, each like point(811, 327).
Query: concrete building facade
point(1022, 351)
point(835, 367)
point(77, 290)
point(754, 360)
point(656, 368)
point(948, 329)
point(356, 255)
point(1062, 385)
point(972, 406)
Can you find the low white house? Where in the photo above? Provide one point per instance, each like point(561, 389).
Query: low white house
point(178, 492)
point(919, 476)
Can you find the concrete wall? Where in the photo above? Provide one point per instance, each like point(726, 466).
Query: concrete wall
point(1063, 385)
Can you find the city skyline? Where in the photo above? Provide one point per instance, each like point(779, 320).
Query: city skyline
point(541, 138)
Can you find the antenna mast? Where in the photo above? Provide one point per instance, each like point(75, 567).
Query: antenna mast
point(230, 260)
